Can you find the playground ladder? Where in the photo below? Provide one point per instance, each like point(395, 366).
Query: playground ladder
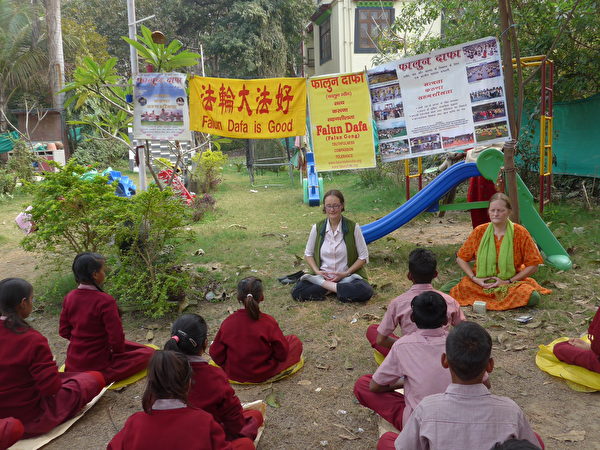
point(418, 175)
point(546, 122)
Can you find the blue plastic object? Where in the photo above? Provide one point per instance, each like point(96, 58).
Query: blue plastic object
point(125, 187)
point(314, 194)
point(425, 199)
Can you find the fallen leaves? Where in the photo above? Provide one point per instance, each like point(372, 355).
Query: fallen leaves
point(272, 400)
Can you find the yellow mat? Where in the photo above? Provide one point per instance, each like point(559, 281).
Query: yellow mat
point(39, 441)
point(261, 406)
point(126, 381)
point(379, 357)
point(577, 378)
point(280, 376)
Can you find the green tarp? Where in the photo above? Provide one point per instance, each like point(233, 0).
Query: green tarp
point(576, 143)
point(6, 141)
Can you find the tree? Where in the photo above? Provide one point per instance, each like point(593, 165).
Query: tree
point(23, 60)
point(56, 57)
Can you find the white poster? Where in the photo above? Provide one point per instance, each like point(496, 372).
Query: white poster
point(446, 100)
point(161, 107)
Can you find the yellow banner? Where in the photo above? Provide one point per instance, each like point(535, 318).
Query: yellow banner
point(249, 109)
point(340, 121)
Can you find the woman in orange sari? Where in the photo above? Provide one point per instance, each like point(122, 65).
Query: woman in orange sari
point(505, 256)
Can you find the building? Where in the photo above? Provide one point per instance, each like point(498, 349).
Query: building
point(342, 34)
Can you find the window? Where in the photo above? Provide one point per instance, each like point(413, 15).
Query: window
point(368, 24)
point(325, 41)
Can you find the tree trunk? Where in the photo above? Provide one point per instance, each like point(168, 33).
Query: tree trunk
point(509, 88)
point(55, 53)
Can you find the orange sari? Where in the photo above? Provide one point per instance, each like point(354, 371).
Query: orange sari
point(517, 294)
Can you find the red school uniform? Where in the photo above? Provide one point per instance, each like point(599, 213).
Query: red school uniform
point(179, 427)
point(90, 321)
point(31, 388)
point(253, 350)
point(212, 393)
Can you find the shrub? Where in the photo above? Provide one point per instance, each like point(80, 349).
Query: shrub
point(100, 153)
point(21, 163)
point(146, 269)
point(209, 167)
point(73, 215)
point(8, 182)
point(201, 205)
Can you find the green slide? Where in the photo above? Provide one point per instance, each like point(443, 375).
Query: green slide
point(489, 163)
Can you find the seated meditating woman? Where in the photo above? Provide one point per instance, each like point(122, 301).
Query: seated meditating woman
point(336, 252)
point(578, 352)
point(505, 256)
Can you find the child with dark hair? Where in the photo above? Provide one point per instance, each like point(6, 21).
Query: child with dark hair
point(32, 391)
point(422, 269)
point(90, 321)
point(412, 363)
point(250, 346)
point(210, 388)
point(580, 353)
point(467, 415)
point(167, 420)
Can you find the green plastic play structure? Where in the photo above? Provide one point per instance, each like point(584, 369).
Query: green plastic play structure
point(489, 163)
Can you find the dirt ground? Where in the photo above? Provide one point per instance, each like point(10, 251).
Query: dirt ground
point(317, 407)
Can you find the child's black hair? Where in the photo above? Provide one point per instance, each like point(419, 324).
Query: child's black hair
point(515, 444)
point(422, 265)
point(85, 265)
point(169, 375)
point(468, 349)
point(249, 293)
point(12, 293)
point(429, 310)
point(188, 335)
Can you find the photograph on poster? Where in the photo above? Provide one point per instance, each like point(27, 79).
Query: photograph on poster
point(483, 71)
point(481, 50)
point(397, 128)
point(488, 111)
point(388, 110)
point(386, 93)
point(393, 150)
point(382, 76)
point(456, 140)
point(174, 117)
point(425, 143)
point(486, 94)
point(491, 131)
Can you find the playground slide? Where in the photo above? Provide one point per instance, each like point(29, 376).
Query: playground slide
point(488, 164)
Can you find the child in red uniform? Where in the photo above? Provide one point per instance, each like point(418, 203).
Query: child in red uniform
point(250, 346)
point(580, 353)
point(31, 388)
point(167, 421)
point(210, 388)
point(90, 321)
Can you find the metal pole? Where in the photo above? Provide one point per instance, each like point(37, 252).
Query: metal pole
point(134, 73)
point(203, 74)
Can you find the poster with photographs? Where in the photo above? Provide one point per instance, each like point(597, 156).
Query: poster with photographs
point(449, 99)
point(160, 110)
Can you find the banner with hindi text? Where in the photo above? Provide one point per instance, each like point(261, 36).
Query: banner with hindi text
point(340, 122)
point(446, 100)
point(160, 110)
point(248, 109)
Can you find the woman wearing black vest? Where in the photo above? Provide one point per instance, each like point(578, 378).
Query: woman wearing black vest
point(336, 253)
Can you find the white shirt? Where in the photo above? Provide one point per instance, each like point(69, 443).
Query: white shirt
point(334, 256)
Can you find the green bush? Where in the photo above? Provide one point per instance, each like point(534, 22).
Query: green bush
point(73, 215)
point(146, 273)
point(21, 162)
point(209, 167)
point(100, 153)
point(8, 182)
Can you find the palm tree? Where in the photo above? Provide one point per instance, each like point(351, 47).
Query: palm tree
point(23, 61)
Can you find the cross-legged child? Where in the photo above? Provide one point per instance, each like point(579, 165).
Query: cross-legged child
point(90, 321)
point(167, 420)
point(31, 388)
point(422, 269)
point(250, 346)
point(210, 388)
point(412, 363)
point(11, 430)
point(580, 353)
point(467, 415)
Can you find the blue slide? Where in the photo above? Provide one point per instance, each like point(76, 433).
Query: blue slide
point(422, 201)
